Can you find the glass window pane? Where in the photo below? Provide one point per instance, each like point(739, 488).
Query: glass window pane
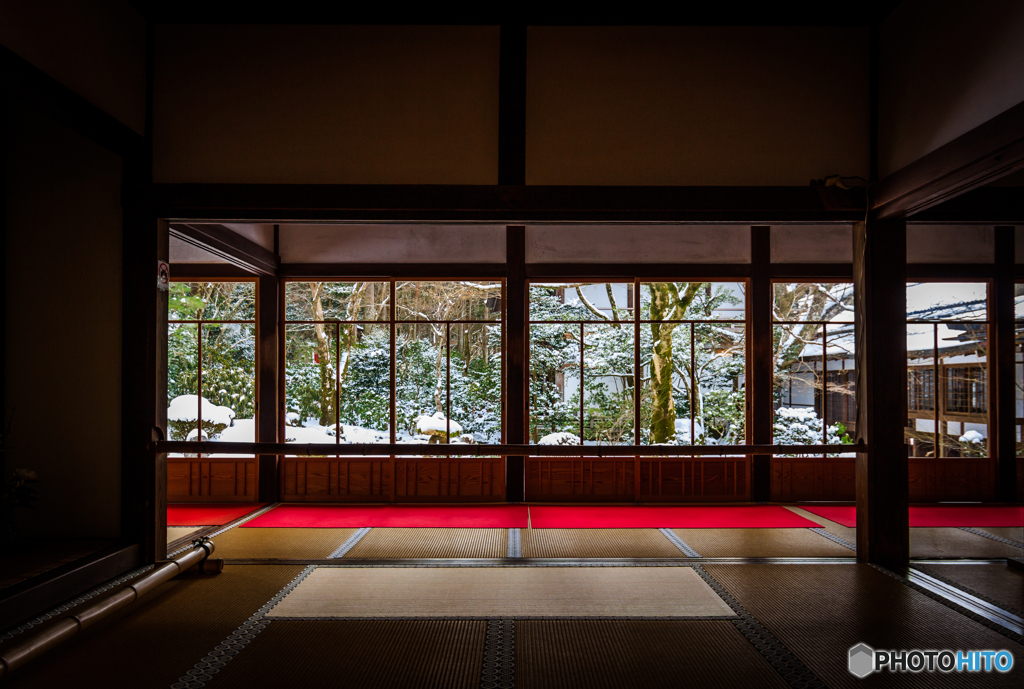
point(229, 382)
point(310, 375)
point(182, 380)
point(667, 301)
point(595, 302)
point(720, 373)
point(421, 383)
point(342, 301)
point(475, 374)
point(947, 301)
point(830, 302)
point(922, 386)
point(364, 403)
point(554, 384)
point(212, 301)
point(608, 413)
point(478, 300)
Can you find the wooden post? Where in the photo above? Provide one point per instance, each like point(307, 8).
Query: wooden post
point(1003, 368)
point(144, 385)
point(516, 379)
point(268, 307)
point(880, 284)
point(759, 363)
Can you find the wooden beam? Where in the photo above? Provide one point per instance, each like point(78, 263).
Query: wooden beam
point(613, 271)
point(201, 271)
point(516, 360)
point(880, 277)
point(143, 386)
point(44, 93)
point(231, 246)
point(512, 106)
point(506, 449)
point(51, 588)
point(1003, 368)
point(990, 205)
point(950, 271)
point(387, 270)
point(500, 204)
point(268, 406)
point(759, 362)
point(986, 153)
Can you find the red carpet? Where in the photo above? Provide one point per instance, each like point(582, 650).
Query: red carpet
point(935, 515)
point(653, 517)
point(209, 514)
point(338, 516)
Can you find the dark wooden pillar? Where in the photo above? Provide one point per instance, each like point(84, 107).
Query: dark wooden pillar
point(268, 404)
point(516, 380)
point(143, 385)
point(759, 363)
point(880, 281)
point(1003, 368)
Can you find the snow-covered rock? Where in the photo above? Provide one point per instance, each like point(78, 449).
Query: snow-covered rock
point(432, 425)
point(559, 439)
point(186, 408)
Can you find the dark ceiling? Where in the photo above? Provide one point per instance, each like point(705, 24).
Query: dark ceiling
point(799, 13)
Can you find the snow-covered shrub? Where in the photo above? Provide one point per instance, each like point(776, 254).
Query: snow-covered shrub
point(803, 426)
point(560, 439)
point(183, 418)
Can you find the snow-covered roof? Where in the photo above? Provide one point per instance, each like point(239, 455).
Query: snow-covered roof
point(186, 408)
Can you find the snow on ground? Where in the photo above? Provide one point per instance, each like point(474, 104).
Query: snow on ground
point(244, 431)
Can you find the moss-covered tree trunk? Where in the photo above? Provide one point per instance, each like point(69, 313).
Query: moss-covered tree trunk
point(666, 304)
point(663, 416)
point(323, 355)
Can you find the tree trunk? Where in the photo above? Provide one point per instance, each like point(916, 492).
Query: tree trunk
point(663, 416)
point(323, 353)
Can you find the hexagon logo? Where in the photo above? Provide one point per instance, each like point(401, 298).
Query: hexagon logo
point(862, 660)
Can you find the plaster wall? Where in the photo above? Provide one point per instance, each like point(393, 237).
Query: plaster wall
point(62, 316)
point(326, 104)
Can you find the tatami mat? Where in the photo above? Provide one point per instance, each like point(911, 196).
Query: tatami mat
point(1013, 533)
point(365, 653)
point(594, 654)
point(594, 543)
point(998, 582)
point(844, 532)
point(280, 544)
point(820, 611)
point(761, 543)
point(176, 532)
point(503, 592)
point(431, 543)
point(952, 542)
point(153, 643)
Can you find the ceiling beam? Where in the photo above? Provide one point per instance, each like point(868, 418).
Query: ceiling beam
point(502, 204)
point(230, 246)
point(989, 151)
point(989, 205)
point(44, 93)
